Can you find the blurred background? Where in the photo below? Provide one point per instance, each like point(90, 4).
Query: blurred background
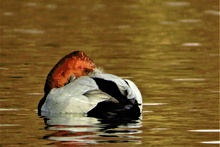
point(169, 48)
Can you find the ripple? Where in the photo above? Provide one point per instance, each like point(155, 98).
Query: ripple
point(124, 26)
point(210, 142)
point(153, 104)
point(189, 20)
point(75, 139)
point(159, 129)
point(209, 131)
point(70, 120)
point(31, 4)
point(147, 111)
point(9, 109)
point(51, 6)
point(214, 55)
point(167, 22)
point(212, 12)
point(3, 68)
point(193, 44)
point(72, 129)
point(9, 125)
point(213, 91)
point(189, 79)
point(29, 31)
point(8, 13)
point(177, 4)
point(35, 93)
point(76, 129)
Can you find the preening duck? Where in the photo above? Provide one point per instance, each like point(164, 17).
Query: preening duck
point(75, 85)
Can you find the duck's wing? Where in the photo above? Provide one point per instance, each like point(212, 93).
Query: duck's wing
point(137, 93)
point(124, 91)
point(121, 89)
point(79, 96)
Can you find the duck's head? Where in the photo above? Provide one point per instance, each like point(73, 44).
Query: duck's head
point(75, 64)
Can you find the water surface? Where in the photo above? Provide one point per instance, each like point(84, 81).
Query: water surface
point(170, 49)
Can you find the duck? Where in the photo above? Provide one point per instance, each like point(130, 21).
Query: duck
point(76, 85)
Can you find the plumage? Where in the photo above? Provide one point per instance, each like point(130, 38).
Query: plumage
point(96, 94)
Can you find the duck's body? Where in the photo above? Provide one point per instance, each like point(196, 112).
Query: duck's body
point(96, 94)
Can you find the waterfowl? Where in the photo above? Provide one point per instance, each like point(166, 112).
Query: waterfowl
point(76, 85)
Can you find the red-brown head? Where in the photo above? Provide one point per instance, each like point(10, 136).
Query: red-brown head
point(75, 64)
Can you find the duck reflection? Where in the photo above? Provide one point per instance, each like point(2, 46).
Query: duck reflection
point(76, 129)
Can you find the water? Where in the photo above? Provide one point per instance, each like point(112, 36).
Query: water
point(170, 49)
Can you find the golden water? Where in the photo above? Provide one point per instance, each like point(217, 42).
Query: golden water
point(170, 49)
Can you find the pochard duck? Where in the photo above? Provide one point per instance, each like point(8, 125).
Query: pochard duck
point(75, 85)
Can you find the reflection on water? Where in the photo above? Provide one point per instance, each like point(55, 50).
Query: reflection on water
point(170, 49)
point(81, 130)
